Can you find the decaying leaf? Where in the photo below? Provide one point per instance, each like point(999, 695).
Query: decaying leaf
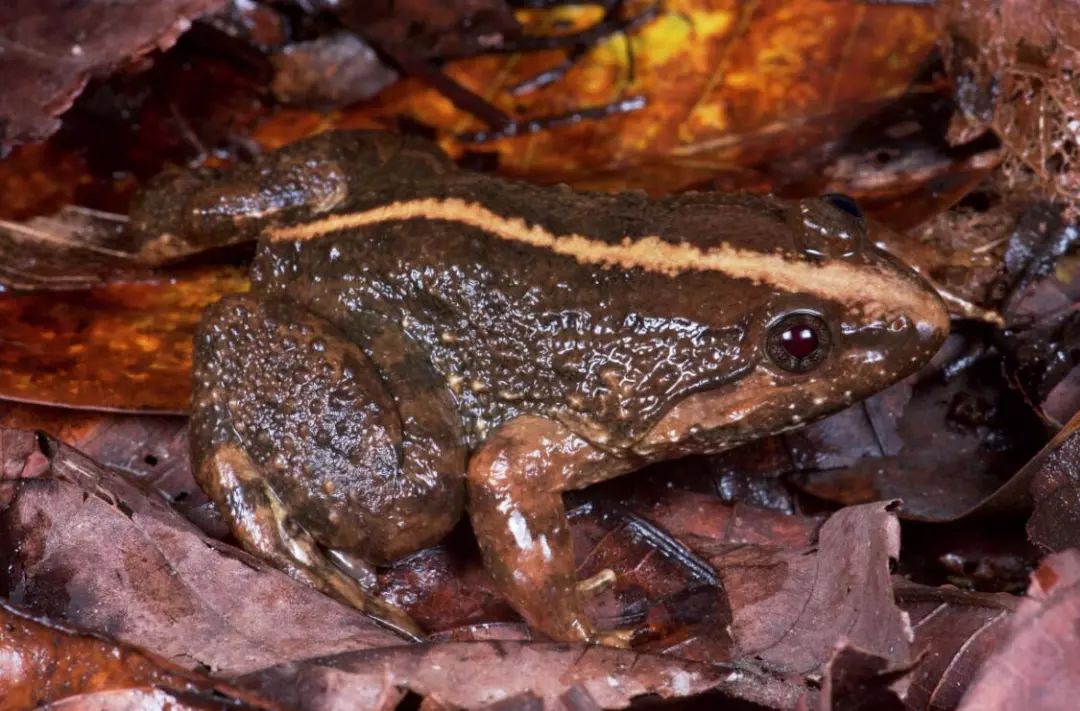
point(789, 609)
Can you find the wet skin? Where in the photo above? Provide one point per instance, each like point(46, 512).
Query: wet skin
point(421, 341)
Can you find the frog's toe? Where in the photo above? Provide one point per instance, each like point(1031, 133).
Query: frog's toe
point(259, 520)
point(597, 584)
point(621, 638)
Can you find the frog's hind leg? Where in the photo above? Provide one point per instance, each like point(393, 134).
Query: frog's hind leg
point(297, 439)
point(515, 484)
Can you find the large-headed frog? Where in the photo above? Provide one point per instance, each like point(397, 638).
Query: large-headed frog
point(421, 341)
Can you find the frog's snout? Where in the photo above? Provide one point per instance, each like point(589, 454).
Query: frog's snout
point(920, 321)
point(932, 329)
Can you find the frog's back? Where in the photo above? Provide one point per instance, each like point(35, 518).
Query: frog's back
point(517, 294)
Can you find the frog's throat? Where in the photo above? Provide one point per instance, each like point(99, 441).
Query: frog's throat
point(879, 292)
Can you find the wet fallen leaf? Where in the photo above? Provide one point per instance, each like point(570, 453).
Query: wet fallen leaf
point(897, 163)
point(112, 347)
point(51, 666)
point(727, 84)
point(67, 252)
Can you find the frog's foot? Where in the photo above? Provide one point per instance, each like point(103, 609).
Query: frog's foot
point(258, 518)
point(515, 482)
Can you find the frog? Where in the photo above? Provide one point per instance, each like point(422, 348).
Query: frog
point(422, 343)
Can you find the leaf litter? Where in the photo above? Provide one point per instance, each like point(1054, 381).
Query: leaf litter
point(779, 608)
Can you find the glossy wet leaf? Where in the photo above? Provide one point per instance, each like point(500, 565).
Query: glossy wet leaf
point(46, 663)
point(727, 83)
point(114, 347)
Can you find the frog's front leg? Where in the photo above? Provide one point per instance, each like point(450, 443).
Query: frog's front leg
point(297, 439)
point(515, 485)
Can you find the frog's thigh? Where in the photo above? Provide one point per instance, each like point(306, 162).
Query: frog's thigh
point(515, 485)
point(297, 440)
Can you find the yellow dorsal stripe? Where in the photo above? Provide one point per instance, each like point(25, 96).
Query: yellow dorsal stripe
point(878, 291)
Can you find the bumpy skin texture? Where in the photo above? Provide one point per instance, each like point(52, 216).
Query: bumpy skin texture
point(412, 327)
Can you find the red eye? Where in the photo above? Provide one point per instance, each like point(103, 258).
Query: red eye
point(798, 342)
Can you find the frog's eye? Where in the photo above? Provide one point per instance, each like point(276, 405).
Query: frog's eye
point(798, 342)
point(844, 203)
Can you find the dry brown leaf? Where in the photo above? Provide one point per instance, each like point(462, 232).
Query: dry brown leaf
point(98, 552)
point(49, 49)
point(477, 675)
point(1036, 667)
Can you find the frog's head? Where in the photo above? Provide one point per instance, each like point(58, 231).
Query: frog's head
point(830, 319)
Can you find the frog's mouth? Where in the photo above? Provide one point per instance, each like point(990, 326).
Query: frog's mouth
point(753, 407)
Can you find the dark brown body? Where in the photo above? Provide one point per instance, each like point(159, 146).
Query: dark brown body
point(415, 331)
